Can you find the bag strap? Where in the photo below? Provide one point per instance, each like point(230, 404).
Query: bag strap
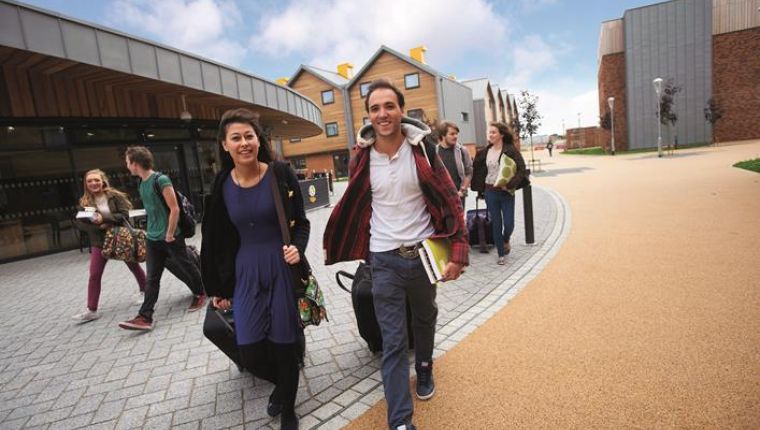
point(279, 208)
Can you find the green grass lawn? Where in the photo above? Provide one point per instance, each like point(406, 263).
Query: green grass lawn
point(594, 150)
point(753, 165)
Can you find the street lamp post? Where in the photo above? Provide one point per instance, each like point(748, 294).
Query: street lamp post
point(611, 102)
point(658, 89)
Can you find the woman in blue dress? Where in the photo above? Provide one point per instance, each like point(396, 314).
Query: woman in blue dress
point(245, 265)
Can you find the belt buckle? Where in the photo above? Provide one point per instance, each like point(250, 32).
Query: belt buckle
point(408, 252)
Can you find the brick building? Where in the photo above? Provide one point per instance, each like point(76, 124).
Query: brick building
point(710, 48)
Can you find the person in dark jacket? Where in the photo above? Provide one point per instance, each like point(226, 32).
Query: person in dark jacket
point(108, 207)
point(244, 262)
point(500, 202)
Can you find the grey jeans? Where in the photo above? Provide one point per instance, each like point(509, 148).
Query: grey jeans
point(394, 281)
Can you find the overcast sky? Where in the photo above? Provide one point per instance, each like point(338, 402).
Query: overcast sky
point(545, 46)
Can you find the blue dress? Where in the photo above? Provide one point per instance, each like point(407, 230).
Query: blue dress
point(263, 302)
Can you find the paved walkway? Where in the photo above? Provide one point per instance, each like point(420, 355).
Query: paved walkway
point(55, 373)
point(647, 318)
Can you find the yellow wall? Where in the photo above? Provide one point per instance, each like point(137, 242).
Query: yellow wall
point(391, 67)
point(312, 87)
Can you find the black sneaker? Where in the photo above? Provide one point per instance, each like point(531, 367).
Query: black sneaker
point(425, 383)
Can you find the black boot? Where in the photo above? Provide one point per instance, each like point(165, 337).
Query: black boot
point(289, 421)
point(274, 407)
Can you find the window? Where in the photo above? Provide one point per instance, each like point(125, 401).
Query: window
point(417, 114)
point(411, 81)
point(363, 87)
point(328, 97)
point(331, 129)
point(298, 162)
point(365, 121)
point(465, 117)
point(295, 139)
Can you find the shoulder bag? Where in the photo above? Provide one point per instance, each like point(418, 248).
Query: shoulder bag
point(125, 243)
point(309, 297)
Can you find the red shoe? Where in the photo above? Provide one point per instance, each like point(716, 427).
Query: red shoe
point(138, 323)
point(197, 303)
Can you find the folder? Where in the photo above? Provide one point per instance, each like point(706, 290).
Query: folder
point(435, 254)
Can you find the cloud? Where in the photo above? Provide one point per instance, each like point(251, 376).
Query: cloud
point(196, 26)
point(328, 32)
point(535, 68)
point(558, 106)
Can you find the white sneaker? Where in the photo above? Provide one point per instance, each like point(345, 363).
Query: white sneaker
point(87, 315)
point(138, 299)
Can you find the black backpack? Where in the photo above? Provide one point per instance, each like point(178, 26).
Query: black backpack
point(186, 220)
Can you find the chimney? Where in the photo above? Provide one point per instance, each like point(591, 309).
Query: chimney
point(283, 81)
point(346, 70)
point(418, 53)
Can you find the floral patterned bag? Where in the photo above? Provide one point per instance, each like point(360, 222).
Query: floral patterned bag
point(125, 243)
point(311, 307)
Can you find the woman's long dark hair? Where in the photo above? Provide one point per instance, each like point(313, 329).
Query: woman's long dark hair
point(243, 116)
point(505, 131)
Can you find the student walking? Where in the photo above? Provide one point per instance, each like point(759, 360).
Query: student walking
point(246, 265)
point(500, 202)
point(110, 207)
point(455, 158)
point(398, 195)
point(165, 240)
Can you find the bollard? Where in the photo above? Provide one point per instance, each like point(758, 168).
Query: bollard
point(528, 213)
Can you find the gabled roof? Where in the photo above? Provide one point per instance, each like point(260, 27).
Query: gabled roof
point(329, 77)
point(400, 56)
point(498, 94)
point(480, 88)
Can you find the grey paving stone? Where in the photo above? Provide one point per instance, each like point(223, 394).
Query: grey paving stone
point(72, 423)
point(161, 422)
point(30, 410)
point(109, 411)
point(223, 420)
point(132, 418)
point(193, 413)
point(49, 416)
point(168, 406)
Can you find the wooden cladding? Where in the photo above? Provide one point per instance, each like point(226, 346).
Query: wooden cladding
point(40, 86)
point(735, 15)
point(312, 87)
point(611, 38)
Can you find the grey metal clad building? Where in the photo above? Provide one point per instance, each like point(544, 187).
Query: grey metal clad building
point(672, 41)
point(455, 104)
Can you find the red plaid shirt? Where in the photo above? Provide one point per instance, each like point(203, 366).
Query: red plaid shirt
point(347, 233)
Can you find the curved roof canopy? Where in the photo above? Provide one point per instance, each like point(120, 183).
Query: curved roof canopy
point(55, 66)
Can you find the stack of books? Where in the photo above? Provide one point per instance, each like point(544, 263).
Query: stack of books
point(435, 254)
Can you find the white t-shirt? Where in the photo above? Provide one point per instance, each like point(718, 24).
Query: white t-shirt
point(492, 163)
point(399, 214)
point(102, 203)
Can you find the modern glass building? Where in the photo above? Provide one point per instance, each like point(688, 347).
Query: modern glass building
point(74, 95)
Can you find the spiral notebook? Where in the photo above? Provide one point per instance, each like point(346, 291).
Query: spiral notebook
point(435, 254)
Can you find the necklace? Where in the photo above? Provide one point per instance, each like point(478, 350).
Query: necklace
point(239, 183)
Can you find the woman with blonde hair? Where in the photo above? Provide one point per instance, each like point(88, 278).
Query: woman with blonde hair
point(110, 207)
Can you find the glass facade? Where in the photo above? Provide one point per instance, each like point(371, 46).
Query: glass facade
point(41, 170)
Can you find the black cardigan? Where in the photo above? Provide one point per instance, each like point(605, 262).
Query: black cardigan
point(221, 240)
point(480, 169)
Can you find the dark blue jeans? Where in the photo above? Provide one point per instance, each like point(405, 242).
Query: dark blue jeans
point(173, 256)
point(394, 281)
point(501, 208)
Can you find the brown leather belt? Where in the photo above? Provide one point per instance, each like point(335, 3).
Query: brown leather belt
point(409, 252)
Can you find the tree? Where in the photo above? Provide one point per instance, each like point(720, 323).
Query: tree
point(605, 121)
point(713, 113)
point(667, 101)
point(530, 119)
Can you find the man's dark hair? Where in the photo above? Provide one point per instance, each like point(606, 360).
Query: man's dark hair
point(243, 116)
point(505, 131)
point(383, 84)
point(140, 155)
